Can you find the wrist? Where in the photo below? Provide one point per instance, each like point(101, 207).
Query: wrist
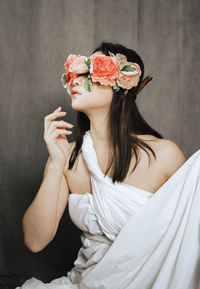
point(57, 166)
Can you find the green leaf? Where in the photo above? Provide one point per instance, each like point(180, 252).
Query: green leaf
point(111, 54)
point(116, 87)
point(88, 84)
point(128, 68)
point(89, 75)
point(88, 62)
point(63, 78)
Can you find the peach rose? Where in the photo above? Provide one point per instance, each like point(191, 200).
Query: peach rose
point(128, 79)
point(79, 66)
point(104, 69)
point(128, 82)
point(70, 76)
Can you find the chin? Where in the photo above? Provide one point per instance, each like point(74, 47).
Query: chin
point(76, 106)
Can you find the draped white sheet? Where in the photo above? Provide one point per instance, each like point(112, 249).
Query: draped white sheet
point(157, 247)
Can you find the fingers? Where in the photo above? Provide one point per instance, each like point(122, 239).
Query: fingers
point(51, 117)
point(61, 124)
point(58, 132)
point(48, 118)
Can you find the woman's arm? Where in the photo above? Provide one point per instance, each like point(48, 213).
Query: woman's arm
point(42, 218)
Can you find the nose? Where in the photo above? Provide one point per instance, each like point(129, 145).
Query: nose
point(77, 80)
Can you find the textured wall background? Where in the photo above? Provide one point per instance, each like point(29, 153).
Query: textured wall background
point(36, 37)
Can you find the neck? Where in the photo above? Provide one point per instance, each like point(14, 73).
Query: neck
point(100, 129)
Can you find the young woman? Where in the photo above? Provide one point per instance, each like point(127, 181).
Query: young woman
point(128, 189)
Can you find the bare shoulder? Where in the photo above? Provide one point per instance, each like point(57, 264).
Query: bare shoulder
point(148, 137)
point(166, 147)
point(171, 151)
point(169, 154)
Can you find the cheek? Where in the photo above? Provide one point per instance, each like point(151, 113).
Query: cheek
point(102, 94)
point(99, 96)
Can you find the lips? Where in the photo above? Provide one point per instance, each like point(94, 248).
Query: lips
point(75, 91)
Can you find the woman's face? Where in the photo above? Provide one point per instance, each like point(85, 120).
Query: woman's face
point(99, 97)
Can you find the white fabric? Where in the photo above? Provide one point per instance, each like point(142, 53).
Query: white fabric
point(133, 239)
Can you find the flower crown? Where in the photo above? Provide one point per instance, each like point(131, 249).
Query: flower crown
point(113, 70)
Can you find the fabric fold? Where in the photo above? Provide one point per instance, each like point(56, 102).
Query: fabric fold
point(112, 203)
point(159, 246)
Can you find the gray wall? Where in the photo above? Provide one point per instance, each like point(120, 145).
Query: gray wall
point(36, 37)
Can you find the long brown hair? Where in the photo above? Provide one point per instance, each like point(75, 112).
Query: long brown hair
point(126, 122)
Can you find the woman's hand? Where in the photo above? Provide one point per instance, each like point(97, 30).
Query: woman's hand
point(55, 137)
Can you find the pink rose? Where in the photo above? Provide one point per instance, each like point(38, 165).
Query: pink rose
point(104, 69)
point(79, 66)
